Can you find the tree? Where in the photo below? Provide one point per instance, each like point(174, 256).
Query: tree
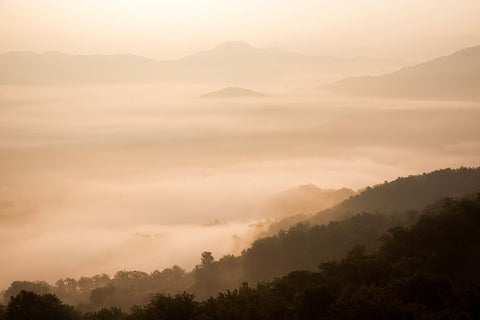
point(3, 312)
point(28, 305)
point(99, 296)
point(66, 286)
point(105, 314)
point(207, 259)
point(179, 307)
point(39, 287)
point(85, 284)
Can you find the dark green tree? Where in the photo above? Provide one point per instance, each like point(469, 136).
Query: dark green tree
point(31, 306)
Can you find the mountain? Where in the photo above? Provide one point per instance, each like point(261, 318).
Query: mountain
point(401, 195)
point(232, 61)
point(453, 77)
point(241, 52)
point(233, 92)
point(359, 220)
point(405, 193)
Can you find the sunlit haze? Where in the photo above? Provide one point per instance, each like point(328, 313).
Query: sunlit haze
point(137, 135)
point(409, 30)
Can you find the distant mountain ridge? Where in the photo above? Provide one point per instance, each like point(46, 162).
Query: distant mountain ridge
point(228, 62)
point(60, 68)
point(456, 76)
point(243, 52)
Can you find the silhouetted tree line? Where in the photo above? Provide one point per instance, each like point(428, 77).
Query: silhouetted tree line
point(125, 289)
point(430, 270)
point(303, 247)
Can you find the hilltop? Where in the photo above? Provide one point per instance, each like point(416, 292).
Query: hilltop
point(233, 92)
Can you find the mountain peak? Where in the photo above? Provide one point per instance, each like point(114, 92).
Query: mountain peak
point(234, 46)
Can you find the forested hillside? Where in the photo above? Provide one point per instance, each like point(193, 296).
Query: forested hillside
point(428, 271)
point(360, 220)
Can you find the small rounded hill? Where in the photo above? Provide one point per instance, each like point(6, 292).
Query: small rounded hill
point(233, 92)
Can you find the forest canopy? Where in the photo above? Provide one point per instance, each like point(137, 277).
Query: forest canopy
point(426, 271)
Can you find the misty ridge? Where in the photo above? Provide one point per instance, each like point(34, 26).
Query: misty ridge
point(454, 77)
point(229, 61)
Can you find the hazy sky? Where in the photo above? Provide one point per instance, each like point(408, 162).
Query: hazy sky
point(407, 29)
